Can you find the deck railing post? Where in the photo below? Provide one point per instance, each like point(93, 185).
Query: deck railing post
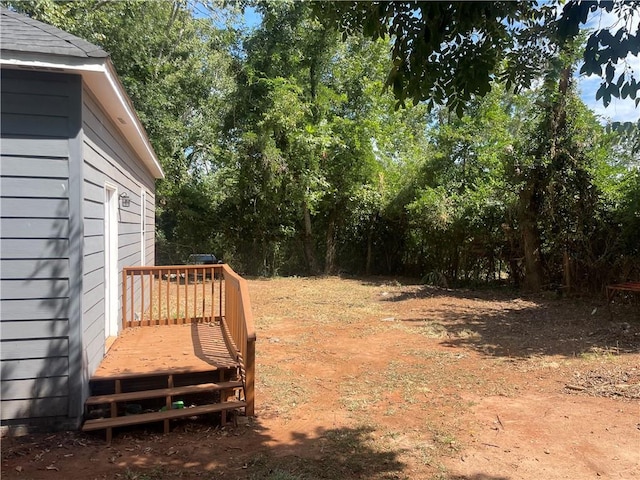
point(220, 292)
point(123, 320)
point(133, 304)
point(249, 392)
point(142, 320)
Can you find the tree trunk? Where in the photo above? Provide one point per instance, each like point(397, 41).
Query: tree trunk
point(455, 264)
point(369, 251)
point(532, 264)
point(533, 273)
point(566, 271)
point(307, 240)
point(330, 257)
point(531, 194)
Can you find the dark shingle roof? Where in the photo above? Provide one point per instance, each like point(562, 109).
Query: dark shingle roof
point(23, 34)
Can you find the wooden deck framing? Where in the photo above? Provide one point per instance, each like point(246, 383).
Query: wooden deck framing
point(612, 290)
point(622, 287)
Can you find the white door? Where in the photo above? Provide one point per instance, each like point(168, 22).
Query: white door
point(110, 261)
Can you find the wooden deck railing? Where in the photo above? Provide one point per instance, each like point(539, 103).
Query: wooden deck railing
point(171, 295)
point(239, 330)
point(175, 295)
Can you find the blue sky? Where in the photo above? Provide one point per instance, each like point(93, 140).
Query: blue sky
point(619, 110)
point(251, 17)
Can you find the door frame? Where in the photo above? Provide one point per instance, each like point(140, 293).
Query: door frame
point(110, 260)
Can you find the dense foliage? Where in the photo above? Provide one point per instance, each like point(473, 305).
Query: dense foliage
point(436, 44)
point(285, 154)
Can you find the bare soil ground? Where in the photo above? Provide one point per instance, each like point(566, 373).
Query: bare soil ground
point(384, 379)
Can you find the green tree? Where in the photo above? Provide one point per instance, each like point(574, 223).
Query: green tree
point(285, 154)
point(274, 131)
point(307, 122)
point(554, 173)
point(459, 199)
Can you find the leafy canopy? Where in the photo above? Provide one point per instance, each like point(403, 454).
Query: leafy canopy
point(446, 52)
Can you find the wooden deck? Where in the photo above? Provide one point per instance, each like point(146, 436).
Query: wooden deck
point(186, 348)
point(194, 347)
point(166, 372)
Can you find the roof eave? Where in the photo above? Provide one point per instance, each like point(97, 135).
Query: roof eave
point(101, 79)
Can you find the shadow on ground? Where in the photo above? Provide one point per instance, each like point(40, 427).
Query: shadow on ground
point(477, 476)
point(196, 450)
point(330, 454)
point(242, 452)
point(503, 324)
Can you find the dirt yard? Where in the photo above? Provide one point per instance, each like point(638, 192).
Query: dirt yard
point(384, 379)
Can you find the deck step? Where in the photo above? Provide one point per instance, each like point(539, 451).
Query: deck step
point(140, 418)
point(162, 373)
point(161, 392)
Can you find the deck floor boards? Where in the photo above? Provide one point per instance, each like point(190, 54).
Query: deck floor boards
point(149, 350)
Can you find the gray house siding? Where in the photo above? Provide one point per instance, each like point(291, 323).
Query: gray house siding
point(40, 122)
point(60, 146)
point(108, 159)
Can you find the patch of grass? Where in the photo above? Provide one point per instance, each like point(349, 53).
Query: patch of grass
point(358, 395)
point(468, 334)
point(277, 474)
point(425, 454)
point(426, 328)
point(356, 404)
point(441, 475)
point(432, 330)
point(391, 411)
point(601, 353)
point(411, 383)
point(447, 441)
point(411, 380)
point(285, 388)
point(154, 474)
point(340, 453)
point(413, 449)
point(264, 467)
point(376, 328)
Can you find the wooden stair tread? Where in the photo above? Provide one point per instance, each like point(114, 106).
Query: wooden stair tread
point(161, 392)
point(160, 373)
point(140, 418)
